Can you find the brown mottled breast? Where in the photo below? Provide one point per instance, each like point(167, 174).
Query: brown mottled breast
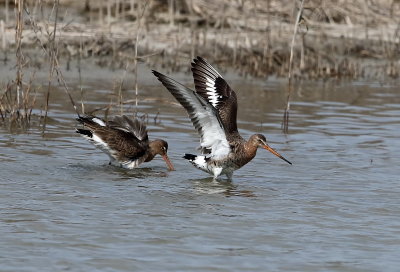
point(241, 152)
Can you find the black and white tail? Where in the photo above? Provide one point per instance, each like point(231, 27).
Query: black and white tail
point(93, 123)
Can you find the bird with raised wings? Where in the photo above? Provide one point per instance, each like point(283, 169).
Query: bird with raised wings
point(212, 108)
point(124, 140)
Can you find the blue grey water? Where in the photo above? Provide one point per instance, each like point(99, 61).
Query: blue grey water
point(63, 208)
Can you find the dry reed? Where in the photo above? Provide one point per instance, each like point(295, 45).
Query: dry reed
point(18, 98)
point(139, 25)
point(285, 123)
point(52, 58)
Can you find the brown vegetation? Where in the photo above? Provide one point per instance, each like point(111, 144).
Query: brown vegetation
point(344, 38)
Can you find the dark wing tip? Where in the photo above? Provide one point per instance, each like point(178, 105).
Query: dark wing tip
point(161, 77)
point(157, 74)
point(196, 60)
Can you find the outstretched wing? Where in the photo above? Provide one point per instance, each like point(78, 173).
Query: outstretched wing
point(211, 86)
point(204, 116)
point(135, 127)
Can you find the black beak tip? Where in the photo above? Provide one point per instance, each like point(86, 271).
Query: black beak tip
point(286, 161)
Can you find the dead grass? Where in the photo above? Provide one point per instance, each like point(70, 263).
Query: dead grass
point(18, 98)
point(252, 37)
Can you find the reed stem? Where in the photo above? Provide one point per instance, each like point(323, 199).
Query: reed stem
point(289, 92)
point(135, 61)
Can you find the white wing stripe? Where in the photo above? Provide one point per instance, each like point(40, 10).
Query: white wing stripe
point(210, 82)
point(213, 98)
point(212, 92)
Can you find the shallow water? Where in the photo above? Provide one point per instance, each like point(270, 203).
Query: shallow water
point(62, 207)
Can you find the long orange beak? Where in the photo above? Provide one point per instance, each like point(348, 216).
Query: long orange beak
point(168, 162)
point(270, 149)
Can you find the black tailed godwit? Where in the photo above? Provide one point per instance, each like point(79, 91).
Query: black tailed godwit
point(212, 108)
point(124, 140)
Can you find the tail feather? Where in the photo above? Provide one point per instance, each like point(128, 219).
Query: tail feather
point(190, 157)
point(199, 162)
point(91, 121)
point(84, 132)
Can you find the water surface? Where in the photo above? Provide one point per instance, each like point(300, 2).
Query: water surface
point(62, 207)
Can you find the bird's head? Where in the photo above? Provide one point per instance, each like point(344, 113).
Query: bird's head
point(260, 141)
point(161, 147)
